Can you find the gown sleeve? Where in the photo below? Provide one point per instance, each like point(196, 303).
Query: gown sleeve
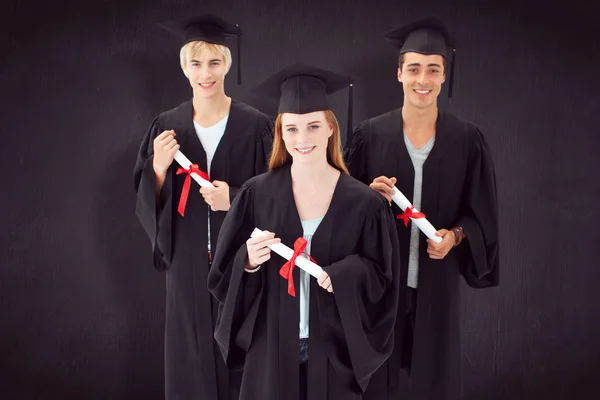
point(155, 214)
point(238, 293)
point(262, 150)
point(358, 319)
point(478, 255)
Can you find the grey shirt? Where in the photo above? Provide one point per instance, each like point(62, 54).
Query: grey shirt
point(418, 157)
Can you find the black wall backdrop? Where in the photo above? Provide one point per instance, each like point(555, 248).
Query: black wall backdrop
point(82, 309)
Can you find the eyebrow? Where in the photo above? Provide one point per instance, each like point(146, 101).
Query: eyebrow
point(419, 64)
point(310, 123)
point(214, 59)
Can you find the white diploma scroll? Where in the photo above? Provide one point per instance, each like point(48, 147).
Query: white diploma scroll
point(301, 261)
point(186, 163)
point(423, 224)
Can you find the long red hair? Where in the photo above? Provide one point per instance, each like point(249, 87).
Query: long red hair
point(335, 158)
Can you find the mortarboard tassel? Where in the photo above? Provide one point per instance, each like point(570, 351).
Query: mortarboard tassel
point(349, 129)
point(451, 83)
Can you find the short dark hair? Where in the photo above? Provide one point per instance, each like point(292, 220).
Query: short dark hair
point(402, 56)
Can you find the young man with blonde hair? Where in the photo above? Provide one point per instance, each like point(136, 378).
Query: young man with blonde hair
point(229, 142)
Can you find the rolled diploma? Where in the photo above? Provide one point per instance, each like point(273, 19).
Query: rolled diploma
point(423, 224)
point(302, 262)
point(185, 163)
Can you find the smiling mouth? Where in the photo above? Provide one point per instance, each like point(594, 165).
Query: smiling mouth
point(207, 85)
point(422, 92)
point(305, 150)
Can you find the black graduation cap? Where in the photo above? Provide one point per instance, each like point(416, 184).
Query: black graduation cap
point(208, 28)
point(302, 89)
point(426, 36)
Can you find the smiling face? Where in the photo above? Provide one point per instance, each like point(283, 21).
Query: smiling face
point(422, 77)
point(306, 136)
point(310, 134)
point(205, 65)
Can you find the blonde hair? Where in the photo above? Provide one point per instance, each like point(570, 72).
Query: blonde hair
point(335, 158)
point(193, 48)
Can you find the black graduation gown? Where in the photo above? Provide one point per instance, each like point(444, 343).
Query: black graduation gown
point(194, 368)
point(351, 331)
point(459, 188)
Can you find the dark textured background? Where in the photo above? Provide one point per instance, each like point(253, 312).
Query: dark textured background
point(82, 309)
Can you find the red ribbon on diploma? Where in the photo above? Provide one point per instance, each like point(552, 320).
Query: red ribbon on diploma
point(410, 213)
point(187, 183)
point(287, 269)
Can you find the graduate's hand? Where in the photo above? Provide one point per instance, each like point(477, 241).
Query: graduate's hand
point(385, 186)
point(218, 197)
point(258, 250)
point(325, 282)
point(165, 147)
point(438, 251)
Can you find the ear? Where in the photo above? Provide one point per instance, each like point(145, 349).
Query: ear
point(399, 74)
point(330, 130)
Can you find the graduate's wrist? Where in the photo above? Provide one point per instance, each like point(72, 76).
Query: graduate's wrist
point(159, 181)
point(159, 172)
point(459, 235)
point(251, 269)
point(249, 265)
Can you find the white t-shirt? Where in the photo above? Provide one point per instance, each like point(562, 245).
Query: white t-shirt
point(210, 138)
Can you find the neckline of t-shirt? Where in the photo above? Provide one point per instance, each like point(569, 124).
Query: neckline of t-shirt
point(221, 122)
point(425, 146)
